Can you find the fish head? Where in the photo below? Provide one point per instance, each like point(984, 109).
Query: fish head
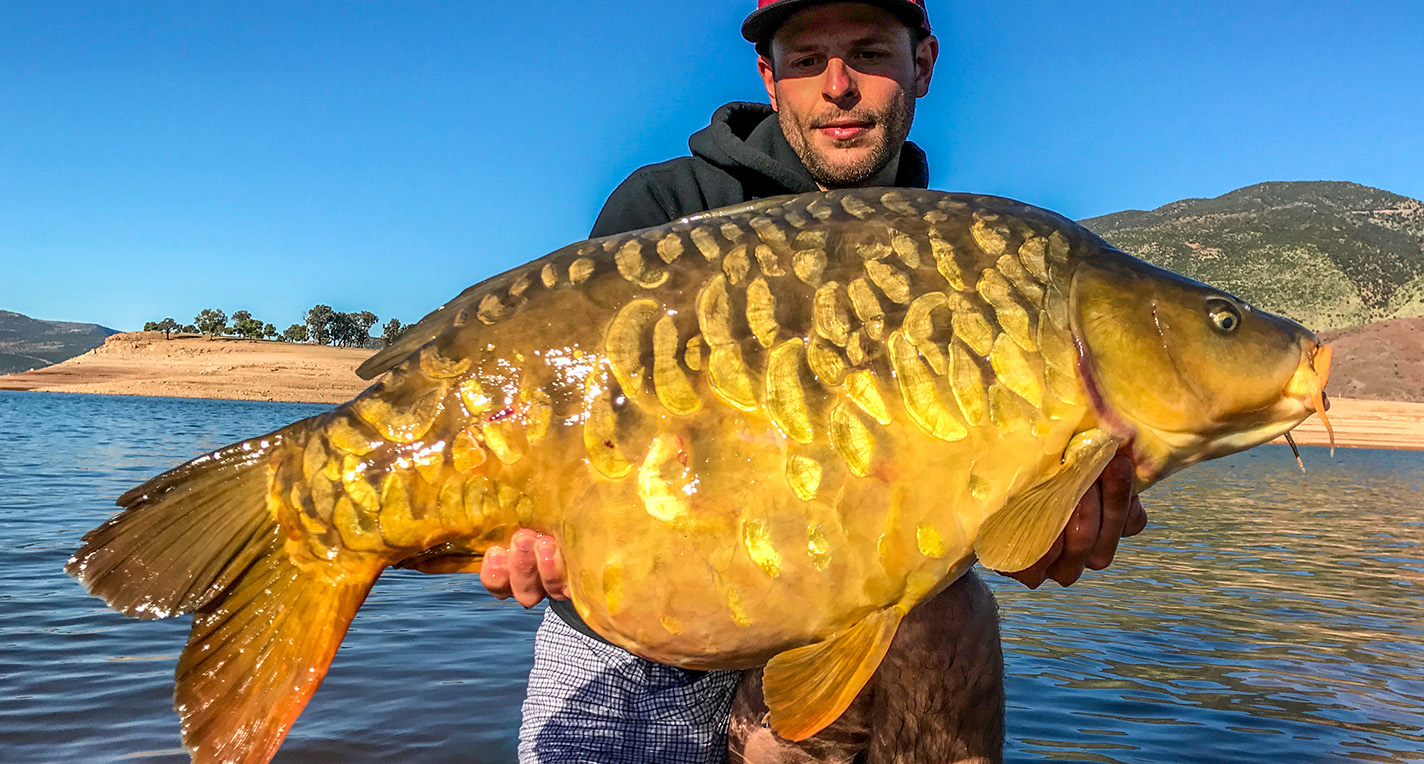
point(1186, 371)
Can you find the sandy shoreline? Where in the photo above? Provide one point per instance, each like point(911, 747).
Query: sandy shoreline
point(1366, 424)
point(143, 363)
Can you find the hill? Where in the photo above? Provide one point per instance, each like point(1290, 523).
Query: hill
point(1379, 361)
point(1328, 254)
point(28, 343)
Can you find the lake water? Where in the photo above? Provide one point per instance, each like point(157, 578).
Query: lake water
point(1264, 615)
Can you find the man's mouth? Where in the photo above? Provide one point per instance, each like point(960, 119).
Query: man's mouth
point(844, 131)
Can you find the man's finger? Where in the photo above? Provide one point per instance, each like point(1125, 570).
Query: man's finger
point(551, 568)
point(1136, 519)
point(524, 569)
point(1116, 502)
point(1034, 575)
point(1079, 536)
point(494, 572)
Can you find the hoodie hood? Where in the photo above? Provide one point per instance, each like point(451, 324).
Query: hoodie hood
point(746, 141)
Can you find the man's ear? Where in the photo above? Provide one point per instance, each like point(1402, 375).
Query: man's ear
point(768, 78)
point(926, 53)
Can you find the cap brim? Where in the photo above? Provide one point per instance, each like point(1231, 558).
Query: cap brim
point(763, 22)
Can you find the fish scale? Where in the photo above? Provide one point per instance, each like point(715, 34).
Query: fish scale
point(760, 435)
point(759, 378)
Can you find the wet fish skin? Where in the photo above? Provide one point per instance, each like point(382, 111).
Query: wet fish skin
point(760, 435)
point(816, 385)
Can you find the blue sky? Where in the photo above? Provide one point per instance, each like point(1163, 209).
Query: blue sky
point(161, 158)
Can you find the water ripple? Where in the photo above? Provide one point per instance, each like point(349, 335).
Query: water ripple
point(1264, 616)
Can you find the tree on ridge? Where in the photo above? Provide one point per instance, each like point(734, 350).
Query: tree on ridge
point(318, 324)
point(244, 325)
point(211, 321)
point(295, 333)
point(392, 331)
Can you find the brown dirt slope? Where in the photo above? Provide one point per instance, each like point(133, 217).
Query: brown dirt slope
point(1381, 361)
point(144, 363)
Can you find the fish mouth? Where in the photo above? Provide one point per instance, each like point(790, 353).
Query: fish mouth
point(1157, 453)
point(1303, 395)
point(1310, 388)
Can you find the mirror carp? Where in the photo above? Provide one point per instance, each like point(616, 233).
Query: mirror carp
point(760, 435)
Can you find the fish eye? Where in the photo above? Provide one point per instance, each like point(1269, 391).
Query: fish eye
point(1224, 316)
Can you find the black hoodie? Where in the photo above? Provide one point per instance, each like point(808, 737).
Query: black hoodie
point(741, 156)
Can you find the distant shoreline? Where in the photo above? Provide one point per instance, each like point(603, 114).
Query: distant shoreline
point(144, 363)
point(1394, 425)
point(219, 368)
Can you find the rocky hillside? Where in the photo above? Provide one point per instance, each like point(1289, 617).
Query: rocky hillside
point(1328, 254)
point(1380, 361)
point(28, 343)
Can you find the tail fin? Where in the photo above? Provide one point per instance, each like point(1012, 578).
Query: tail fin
point(256, 656)
point(201, 539)
point(185, 535)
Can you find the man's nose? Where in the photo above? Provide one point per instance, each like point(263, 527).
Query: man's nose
point(839, 86)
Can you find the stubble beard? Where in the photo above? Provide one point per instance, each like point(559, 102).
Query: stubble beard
point(895, 127)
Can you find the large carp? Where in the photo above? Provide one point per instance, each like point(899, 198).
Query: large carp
point(760, 435)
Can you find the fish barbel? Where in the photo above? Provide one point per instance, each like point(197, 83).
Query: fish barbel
point(760, 435)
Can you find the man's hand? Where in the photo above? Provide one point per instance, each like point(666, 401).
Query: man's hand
point(1107, 513)
point(530, 570)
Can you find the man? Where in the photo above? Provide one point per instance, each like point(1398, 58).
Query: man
point(842, 78)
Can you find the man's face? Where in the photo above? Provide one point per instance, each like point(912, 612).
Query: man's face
point(844, 85)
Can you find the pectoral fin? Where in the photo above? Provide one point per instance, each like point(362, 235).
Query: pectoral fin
point(809, 687)
point(1018, 535)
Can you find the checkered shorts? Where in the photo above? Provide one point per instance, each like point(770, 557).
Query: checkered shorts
point(593, 703)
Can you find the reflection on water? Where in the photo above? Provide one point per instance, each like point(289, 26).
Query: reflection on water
point(431, 671)
point(1264, 615)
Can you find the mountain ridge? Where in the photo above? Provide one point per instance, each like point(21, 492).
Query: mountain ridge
point(1330, 254)
point(31, 343)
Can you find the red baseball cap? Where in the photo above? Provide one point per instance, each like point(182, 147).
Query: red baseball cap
point(769, 15)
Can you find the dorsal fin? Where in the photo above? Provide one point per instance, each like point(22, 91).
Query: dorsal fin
point(443, 318)
point(734, 209)
point(425, 330)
